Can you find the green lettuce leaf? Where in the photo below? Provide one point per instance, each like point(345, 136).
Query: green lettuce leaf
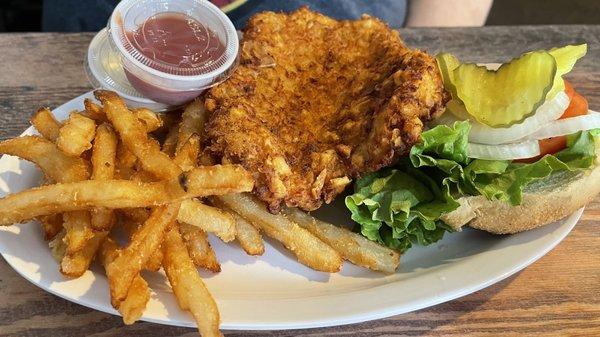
point(402, 206)
point(398, 207)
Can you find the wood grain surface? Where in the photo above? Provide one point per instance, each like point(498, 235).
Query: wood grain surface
point(559, 295)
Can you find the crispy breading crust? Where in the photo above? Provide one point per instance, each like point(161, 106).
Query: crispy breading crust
point(316, 102)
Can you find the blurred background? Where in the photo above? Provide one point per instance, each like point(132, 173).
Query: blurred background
point(92, 15)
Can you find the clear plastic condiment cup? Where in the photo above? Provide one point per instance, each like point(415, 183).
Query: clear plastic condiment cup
point(114, 63)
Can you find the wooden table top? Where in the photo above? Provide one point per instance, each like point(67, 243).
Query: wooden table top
point(559, 295)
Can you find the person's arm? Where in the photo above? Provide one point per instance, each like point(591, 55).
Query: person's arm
point(447, 13)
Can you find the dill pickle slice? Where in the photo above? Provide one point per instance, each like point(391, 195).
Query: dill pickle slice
point(500, 98)
point(456, 108)
point(565, 58)
point(447, 63)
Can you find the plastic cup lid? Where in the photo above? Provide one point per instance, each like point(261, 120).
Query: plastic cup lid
point(131, 13)
point(105, 70)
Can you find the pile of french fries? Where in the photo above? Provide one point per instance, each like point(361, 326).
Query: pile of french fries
point(110, 170)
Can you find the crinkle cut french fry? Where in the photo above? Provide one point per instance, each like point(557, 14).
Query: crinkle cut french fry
point(209, 219)
point(132, 258)
point(48, 157)
point(76, 134)
point(352, 246)
point(190, 291)
point(59, 198)
point(309, 250)
point(199, 248)
point(45, 123)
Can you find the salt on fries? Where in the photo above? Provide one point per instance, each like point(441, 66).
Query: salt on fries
point(106, 173)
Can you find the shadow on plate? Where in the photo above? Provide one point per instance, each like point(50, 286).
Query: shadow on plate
point(275, 255)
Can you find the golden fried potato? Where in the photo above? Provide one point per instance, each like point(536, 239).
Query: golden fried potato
point(352, 246)
point(133, 306)
point(103, 161)
point(207, 218)
point(309, 250)
point(133, 134)
point(138, 295)
point(58, 247)
point(59, 167)
point(132, 258)
point(76, 135)
point(93, 111)
point(170, 143)
point(149, 118)
point(45, 123)
point(187, 156)
point(79, 230)
point(192, 122)
point(190, 291)
point(155, 261)
point(131, 220)
point(58, 198)
point(199, 248)
point(248, 236)
point(75, 264)
point(51, 225)
point(55, 164)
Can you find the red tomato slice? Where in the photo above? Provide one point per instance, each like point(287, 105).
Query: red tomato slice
point(569, 90)
point(547, 146)
point(552, 145)
point(577, 107)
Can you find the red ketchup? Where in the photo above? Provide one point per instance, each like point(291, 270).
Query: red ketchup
point(173, 41)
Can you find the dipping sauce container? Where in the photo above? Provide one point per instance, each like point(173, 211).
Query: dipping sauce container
point(163, 53)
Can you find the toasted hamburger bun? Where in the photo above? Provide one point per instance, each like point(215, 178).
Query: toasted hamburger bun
point(544, 202)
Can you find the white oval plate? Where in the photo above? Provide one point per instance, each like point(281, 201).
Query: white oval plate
point(274, 291)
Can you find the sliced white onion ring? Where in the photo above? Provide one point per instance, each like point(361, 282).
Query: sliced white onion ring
point(526, 149)
point(549, 111)
point(568, 126)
